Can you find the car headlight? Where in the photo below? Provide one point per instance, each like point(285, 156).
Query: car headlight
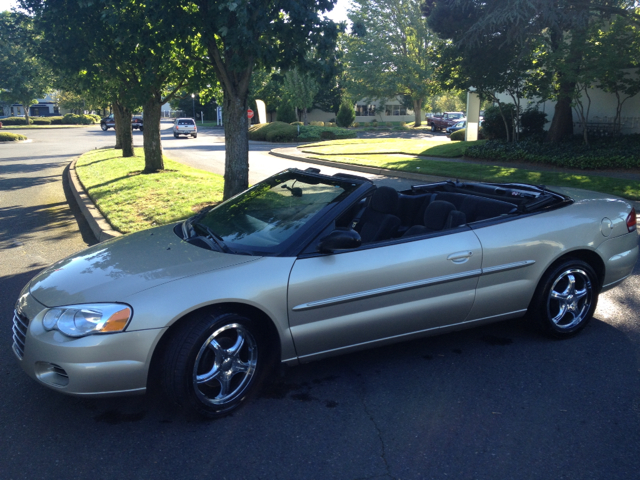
point(82, 320)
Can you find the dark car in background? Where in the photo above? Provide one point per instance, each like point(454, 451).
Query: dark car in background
point(109, 122)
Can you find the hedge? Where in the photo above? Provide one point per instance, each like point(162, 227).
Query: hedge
point(11, 137)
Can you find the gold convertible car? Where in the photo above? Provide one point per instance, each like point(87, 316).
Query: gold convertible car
point(303, 266)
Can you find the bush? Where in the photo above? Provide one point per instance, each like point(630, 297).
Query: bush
point(458, 135)
point(618, 152)
point(330, 124)
point(282, 132)
point(532, 122)
point(41, 121)
point(327, 135)
point(73, 119)
point(346, 114)
point(493, 123)
point(10, 137)
point(316, 124)
point(374, 123)
point(55, 120)
point(286, 113)
point(355, 124)
point(14, 121)
point(297, 123)
point(310, 134)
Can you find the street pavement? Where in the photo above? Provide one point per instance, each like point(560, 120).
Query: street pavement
point(495, 402)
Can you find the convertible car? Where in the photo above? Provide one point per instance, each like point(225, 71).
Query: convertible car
point(303, 266)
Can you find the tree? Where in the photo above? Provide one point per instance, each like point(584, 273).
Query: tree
point(346, 114)
point(24, 77)
point(299, 90)
point(238, 37)
point(391, 53)
point(550, 35)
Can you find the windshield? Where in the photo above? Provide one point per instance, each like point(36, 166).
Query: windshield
point(273, 211)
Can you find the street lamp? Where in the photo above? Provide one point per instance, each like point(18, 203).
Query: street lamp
point(193, 100)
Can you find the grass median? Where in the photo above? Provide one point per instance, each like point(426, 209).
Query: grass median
point(132, 201)
point(408, 156)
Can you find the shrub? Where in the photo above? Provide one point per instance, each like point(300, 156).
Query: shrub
point(493, 123)
point(11, 137)
point(258, 132)
point(297, 123)
point(346, 114)
point(316, 124)
point(41, 121)
point(374, 123)
point(286, 113)
point(330, 124)
point(532, 122)
point(281, 132)
point(327, 135)
point(73, 119)
point(55, 120)
point(14, 121)
point(355, 124)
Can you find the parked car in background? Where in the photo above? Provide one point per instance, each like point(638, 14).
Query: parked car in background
point(457, 126)
point(442, 121)
point(109, 122)
point(303, 266)
point(185, 126)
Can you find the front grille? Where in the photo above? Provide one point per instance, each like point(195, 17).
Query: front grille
point(20, 325)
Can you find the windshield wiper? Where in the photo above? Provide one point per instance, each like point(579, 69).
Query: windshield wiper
point(216, 238)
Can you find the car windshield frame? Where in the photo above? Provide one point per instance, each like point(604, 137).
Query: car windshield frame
point(304, 204)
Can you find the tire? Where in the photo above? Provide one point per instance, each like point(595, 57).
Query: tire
point(175, 135)
point(566, 299)
point(195, 135)
point(214, 363)
point(141, 129)
point(433, 127)
point(104, 127)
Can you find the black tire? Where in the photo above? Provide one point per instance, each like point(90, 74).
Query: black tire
point(566, 299)
point(214, 363)
point(195, 135)
point(433, 127)
point(104, 127)
point(141, 129)
point(175, 135)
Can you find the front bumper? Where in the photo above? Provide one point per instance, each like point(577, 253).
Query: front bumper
point(96, 365)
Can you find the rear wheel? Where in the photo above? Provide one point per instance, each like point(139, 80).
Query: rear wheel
point(195, 135)
point(175, 135)
point(433, 127)
point(214, 363)
point(565, 299)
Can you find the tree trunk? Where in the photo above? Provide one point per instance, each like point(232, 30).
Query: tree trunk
point(417, 112)
point(124, 135)
point(562, 123)
point(236, 139)
point(153, 161)
point(304, 116)
point(25, 107)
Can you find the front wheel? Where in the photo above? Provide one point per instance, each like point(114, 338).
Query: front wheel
point(565, 299)
point(214, 363)
point(104, 127)
point(433, 127)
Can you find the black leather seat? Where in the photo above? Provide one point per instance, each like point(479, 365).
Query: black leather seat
point(377, 221)
point(439, 215)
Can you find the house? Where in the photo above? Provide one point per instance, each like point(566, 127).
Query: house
point(45, 107)
point(391, 110)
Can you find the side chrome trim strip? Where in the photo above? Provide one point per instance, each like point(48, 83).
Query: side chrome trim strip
point(411, 285)
point(507, 266)
point(513, 314)
point(385, 290)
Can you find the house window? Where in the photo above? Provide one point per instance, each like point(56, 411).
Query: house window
point(395, 110)
point(365, 110)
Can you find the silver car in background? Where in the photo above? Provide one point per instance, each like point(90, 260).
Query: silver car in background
point(304, 266)
point(185, 126)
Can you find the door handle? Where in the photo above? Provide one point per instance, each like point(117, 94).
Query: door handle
point(460, 257)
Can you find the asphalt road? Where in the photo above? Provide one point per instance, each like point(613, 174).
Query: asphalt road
point(497, 402)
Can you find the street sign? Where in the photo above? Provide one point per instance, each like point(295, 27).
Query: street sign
point(250, 113)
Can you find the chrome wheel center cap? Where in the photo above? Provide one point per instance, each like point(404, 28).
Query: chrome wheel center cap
point(226, 365)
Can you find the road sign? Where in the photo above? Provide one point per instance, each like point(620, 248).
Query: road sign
point(250, 113)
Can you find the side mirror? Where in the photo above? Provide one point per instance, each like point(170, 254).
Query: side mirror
point(341, 239)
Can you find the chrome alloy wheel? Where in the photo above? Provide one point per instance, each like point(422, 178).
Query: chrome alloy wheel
point(225, 365)
point(570, 298)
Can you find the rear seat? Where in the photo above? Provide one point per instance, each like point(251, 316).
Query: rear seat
point(411, 208)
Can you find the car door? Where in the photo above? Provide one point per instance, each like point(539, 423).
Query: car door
point(360, 297)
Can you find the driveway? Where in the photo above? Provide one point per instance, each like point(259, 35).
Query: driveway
point(497, 402)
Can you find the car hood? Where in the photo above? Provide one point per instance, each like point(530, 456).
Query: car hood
point(113, 270)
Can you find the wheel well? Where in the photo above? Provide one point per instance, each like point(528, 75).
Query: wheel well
point(589, 257)
point(249, 311)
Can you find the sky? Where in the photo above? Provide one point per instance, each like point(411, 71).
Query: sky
point(338, 14)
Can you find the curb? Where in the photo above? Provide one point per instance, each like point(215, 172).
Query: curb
point(99, 226)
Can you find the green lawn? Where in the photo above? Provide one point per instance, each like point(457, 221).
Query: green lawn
point(131, 201)
point(402, 155)
point(31, 127)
